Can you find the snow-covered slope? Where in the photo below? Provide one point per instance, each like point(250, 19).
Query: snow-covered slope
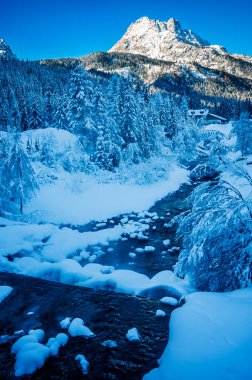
point(5, 50)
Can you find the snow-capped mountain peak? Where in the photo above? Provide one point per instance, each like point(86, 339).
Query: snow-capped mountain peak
point(155, 38)
point(5, 50)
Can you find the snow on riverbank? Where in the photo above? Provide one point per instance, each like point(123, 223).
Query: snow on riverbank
point(59, 203)
point(48, 242)
point(210, 338)
point(51, 252)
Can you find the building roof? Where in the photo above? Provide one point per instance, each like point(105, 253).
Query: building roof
point(200, 112)
point(205, 112)
point(217, 116)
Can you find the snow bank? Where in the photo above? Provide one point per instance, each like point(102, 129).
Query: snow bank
point(66, 241)
point(131, 282)
point(23, 237)
point(4, 292)
point(121, 280)
point(59, 203)
point(99, 276)
point(55, 244)
point(210, 338)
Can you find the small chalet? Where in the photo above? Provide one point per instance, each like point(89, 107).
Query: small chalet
point(205, 117)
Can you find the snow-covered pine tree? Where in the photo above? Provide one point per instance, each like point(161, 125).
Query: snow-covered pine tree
point(187, 133)
point(129, 122)
point(59, 116)
point(114, 100)
point(13, 114)
point(243, 131)
point(18, 182)
point(107, 152)
point(49, 106)
point(4, 115)
point(36, 115)
point(217, 238)
point(24, 118)
point(81, 101)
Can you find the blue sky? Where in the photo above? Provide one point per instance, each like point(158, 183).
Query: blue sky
point(37, 29)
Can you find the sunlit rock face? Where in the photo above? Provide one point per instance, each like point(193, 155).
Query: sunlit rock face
point(5, 50)
point(168, 41)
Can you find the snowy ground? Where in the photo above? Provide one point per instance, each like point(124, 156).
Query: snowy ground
point(60, 202)
point(225, 129)
point(210, 338)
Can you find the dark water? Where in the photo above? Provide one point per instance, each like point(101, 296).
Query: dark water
point(163, 258)
point(154, 262)
point(108, 315)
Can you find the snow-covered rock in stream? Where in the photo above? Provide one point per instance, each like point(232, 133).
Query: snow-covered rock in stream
point(65, 323)
point(169, 301)
point(83, 363)
point(160, 313)
point(77, 328)
point(133, 335)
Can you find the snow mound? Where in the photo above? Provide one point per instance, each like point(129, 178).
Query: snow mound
point(210, 338)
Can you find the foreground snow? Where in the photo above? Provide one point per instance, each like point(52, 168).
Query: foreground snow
point(210, 338)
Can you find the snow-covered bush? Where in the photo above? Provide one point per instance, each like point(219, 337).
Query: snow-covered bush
point(217, 237)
